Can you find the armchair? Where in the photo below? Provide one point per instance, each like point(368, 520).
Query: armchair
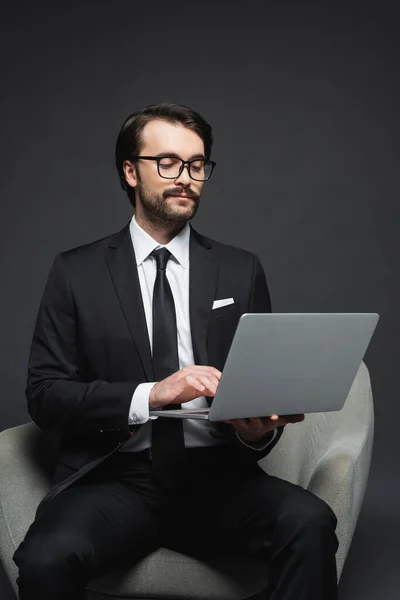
point(328, 454)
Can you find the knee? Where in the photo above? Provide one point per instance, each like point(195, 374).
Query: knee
point(309, 513)
point(56, 555)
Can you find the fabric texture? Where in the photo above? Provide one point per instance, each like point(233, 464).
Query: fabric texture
point(328, 454)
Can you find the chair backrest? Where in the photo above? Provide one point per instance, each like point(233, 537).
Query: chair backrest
point(304, 444)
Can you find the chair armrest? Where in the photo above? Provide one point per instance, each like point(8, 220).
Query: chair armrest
point(340, 479)
point(24, 481)
point(330, 455)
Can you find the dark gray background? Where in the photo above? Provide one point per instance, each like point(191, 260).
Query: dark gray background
point(304, 102)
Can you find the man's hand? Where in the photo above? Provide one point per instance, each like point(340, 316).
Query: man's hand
point(255, 429)
point(186, 384)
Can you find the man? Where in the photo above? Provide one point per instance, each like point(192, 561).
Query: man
point(126, 325)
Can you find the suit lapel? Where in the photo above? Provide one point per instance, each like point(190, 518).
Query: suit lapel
point(122, 264)
point(203, 276)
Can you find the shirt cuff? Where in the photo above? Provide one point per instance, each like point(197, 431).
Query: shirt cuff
point(139, 408)
point(258, 445)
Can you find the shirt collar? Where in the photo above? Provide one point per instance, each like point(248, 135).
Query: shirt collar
point(144, 244)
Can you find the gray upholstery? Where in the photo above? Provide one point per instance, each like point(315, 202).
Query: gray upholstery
point(328, 453)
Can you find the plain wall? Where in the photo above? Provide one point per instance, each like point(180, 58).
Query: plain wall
point(303, 98)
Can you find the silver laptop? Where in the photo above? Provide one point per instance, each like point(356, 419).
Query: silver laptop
point(287, 364)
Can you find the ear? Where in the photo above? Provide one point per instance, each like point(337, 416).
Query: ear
point(130, 173)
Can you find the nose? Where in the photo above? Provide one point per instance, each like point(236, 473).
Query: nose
point(184, 177)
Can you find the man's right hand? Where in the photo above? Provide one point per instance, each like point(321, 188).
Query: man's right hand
point(186, 384)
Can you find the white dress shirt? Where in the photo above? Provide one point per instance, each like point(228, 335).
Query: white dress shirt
point(197, 432)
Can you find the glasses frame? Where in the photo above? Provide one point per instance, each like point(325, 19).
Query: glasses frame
point(184, 162)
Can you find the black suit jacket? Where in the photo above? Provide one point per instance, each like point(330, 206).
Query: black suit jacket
point(90, 347)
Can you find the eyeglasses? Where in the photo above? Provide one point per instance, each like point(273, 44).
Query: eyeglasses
point(170, 167)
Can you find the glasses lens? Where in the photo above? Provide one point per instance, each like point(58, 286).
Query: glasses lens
point(169, 167)
point(200, 170)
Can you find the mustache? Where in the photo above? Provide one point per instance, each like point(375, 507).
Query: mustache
point(189, 193)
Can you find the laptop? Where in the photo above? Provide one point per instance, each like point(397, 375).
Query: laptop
point(287, 363)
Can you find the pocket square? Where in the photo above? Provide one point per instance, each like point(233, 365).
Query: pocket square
point(223, 302)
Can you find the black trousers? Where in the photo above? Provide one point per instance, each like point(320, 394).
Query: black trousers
point(116, 515)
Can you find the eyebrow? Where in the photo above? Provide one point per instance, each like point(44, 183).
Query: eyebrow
point(174, 155)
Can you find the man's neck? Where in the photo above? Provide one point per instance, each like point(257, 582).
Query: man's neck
point(162, 232)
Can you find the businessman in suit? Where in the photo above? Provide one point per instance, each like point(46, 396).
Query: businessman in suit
point(126, 324)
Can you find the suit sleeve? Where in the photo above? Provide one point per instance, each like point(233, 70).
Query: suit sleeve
point(259, 302)
point(58, 399)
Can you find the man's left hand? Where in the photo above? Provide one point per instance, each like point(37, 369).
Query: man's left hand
point(256, 428)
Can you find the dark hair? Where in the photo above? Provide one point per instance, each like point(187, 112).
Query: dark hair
point(129, 141)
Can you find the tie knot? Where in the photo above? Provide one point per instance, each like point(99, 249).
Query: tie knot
point(162, 255)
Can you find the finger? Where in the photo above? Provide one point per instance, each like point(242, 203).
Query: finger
point(215, 380)
point(210, 382)
point(215, 372)
point(195, 382)
point(205, 370)
point(268, 420)
point(285, 421)
point(293, 418)
point(293, 415)
point(209, 386)
point(274, 423)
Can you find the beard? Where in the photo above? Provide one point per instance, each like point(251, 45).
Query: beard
point(156, 207)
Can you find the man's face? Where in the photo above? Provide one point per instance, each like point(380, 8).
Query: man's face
point(159, 197)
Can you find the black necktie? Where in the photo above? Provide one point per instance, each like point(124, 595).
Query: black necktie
point(167, 445)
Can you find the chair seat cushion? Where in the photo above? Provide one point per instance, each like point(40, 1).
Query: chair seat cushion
point(169, 574)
